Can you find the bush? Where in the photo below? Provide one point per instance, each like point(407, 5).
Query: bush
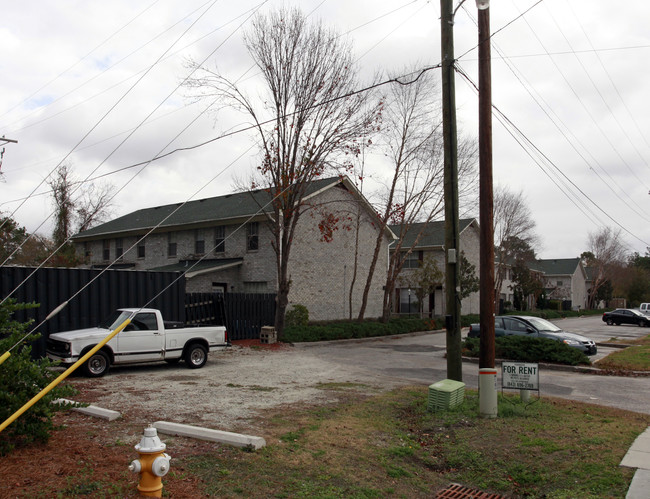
point(365, 329)
point(521, 348)
point(21, 379)
point(297, 316)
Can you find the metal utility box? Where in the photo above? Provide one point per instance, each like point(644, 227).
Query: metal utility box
point(445, 394)
point(268, 334)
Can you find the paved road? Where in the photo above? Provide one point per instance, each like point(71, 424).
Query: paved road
point(420, 359)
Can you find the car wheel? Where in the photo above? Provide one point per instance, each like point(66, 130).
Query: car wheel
point(641, 323)
point(97, 365)
point(610, 322)
point(196, 356)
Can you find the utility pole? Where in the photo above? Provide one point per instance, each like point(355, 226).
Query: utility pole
point(487, 371)
point(452, 253)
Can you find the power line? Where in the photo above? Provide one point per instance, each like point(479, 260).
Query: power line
point(505, 119)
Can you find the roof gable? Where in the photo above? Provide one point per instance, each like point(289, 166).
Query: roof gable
point(433, 235)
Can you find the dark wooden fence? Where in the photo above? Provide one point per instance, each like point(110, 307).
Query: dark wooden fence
point(113, 289)
point(243, 314)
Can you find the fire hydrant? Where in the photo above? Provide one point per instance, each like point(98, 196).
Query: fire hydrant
point(152, 465)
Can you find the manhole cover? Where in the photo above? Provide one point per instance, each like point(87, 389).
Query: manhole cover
point(456, 491)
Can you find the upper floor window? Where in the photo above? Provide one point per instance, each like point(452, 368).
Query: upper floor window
point(412, 260)
point(141, 248)
point(171, 244)
point(106, 250)
point(559, 283)
point(199, 242)
point(220, 239)
point(252, 236)
point(119, 247)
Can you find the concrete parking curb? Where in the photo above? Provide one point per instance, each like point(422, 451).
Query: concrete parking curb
point(92, 410)
point(224, 437)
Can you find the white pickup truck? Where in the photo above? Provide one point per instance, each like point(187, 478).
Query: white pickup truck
point(146, 339)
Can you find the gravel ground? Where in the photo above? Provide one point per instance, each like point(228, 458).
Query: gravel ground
point(228, 392)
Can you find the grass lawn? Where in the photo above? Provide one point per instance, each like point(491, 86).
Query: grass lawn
point(389, 445)
point(633, 358)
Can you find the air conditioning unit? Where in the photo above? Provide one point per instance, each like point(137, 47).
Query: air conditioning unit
point(445, 394)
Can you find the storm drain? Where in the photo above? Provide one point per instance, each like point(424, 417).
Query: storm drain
point(456, 491)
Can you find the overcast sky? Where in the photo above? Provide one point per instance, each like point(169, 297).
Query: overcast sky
point(96, 85)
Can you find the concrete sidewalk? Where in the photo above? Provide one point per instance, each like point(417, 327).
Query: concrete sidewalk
point(639, 457)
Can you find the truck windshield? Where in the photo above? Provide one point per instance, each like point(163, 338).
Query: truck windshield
point(114, 320)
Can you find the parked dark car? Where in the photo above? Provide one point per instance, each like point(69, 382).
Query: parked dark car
point(626, 316)
point(535, 327)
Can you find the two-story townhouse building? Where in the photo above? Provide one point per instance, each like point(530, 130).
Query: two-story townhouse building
point(431, 244)
point(564, 279)
point(224, 244)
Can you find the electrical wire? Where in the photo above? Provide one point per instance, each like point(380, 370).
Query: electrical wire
point(506, 120)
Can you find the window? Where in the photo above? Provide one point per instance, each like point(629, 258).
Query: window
point(252, 236)
point(559, 283)
point(412, 260)
point(171, 245)
point(199, 243)
point(408, 301)
point(87, 252)
point(106, 251)
point(144, 322)
point(141, 248)
point(220, 239)
point(515, 325)
point(119, 248)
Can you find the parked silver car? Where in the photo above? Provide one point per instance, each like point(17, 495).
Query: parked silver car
point(536, 327)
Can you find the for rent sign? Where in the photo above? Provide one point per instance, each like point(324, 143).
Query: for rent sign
point(520, 375)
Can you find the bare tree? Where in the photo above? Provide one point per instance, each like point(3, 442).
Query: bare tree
point(77, 207)
point(308, 120)
point(605, 257)
point(412, 139)
point(513, 229)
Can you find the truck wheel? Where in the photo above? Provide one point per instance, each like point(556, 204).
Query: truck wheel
point(97, 365)
point(196, 356)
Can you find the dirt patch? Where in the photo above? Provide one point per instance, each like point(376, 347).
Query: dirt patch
point(236, 391)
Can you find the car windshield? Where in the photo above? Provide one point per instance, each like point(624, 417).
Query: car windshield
point(543, 324)
point(114, 320)
point(636, 312)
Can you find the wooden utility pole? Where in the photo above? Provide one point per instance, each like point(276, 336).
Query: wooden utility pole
point(452, 253)
point(487, 372)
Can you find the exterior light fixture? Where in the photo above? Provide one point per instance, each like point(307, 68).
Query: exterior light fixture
point(482, 4)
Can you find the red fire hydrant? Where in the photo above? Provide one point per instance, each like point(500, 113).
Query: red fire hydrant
point(152, 465)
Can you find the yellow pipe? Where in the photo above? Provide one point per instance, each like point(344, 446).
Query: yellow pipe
point(63, 375)
point(5, 356)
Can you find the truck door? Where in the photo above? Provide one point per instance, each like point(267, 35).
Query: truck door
point(141, 340)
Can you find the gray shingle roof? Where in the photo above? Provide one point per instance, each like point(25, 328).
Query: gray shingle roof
point(558, 266)
point(203, 211)
point(434, 234)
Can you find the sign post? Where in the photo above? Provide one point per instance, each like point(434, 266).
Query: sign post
point(521, 376)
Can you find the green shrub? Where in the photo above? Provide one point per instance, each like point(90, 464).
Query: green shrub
point(525, 349)
point(297, 316)
point(22, 378)
point(349, 329)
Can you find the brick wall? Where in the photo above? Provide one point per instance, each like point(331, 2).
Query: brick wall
point(322, 272)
